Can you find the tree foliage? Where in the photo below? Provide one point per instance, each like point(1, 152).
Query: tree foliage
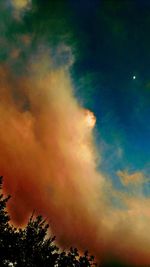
point(31, 246)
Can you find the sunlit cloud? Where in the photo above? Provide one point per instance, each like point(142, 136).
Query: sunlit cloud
point(49, 158)
point(136, 178)
point(21, 4)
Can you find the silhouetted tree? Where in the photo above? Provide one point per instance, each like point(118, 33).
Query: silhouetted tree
point(6, 230)
point(72, 259)
point(30, 246)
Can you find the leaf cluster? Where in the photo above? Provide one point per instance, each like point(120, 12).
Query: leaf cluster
point(31, 246)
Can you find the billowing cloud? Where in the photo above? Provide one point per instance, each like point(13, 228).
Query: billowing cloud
point(49, 159)
point(49, 162)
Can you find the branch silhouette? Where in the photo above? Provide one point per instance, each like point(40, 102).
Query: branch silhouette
point(31, 247)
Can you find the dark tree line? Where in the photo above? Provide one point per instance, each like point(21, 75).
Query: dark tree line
point(30, 246)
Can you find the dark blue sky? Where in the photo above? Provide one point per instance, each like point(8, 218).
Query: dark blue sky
point(113, 45)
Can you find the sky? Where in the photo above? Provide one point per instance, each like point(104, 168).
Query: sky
point(74, 128)
point(112, 74)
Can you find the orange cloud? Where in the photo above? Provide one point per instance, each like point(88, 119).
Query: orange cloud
point(47, 155)
point(135, 178)
point(49, 161)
